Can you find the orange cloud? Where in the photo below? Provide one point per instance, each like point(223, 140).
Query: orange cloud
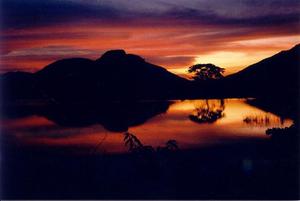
point(174, 45)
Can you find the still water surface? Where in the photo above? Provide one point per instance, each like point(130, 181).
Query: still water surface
point(192, 123)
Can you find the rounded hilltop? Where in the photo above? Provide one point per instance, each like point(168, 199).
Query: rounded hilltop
point(119, 54)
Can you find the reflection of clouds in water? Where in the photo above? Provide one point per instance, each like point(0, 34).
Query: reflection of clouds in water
point(174, 124)
point(37, 126)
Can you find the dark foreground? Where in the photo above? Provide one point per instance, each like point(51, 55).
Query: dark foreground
point(265, 169)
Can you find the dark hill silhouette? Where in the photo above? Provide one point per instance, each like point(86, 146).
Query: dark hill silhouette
point(69, 80)
point(18, 85)
point(274, 76)
point(114, 76)
point(120, 76)
point(130, 76)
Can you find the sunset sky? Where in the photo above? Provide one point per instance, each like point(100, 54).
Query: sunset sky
point(172, 33)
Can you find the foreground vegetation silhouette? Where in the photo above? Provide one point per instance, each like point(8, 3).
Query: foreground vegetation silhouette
point(151, 162)
point(240, 170)
point(289, 134)
point(135, 145)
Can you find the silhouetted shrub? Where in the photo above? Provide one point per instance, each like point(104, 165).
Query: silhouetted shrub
point(283, 134)
point(135, 145)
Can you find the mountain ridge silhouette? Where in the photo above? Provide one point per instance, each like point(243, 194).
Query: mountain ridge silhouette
point(114, 76)
point(119, 76)
point(275, 75)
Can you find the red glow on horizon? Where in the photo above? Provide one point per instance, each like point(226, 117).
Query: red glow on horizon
point(174, 47)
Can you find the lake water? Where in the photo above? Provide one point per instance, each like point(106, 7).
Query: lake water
point(192, 123)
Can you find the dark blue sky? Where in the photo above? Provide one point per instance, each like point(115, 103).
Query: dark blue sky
point(20, 13)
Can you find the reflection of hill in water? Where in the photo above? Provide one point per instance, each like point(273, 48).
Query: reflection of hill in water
point(113, 116)
point(283, 107)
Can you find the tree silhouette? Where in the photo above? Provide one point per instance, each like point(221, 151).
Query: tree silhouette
point(206, 72)
point(132, 142)
point(136, 146)
point(170, 146)
point(208, 112)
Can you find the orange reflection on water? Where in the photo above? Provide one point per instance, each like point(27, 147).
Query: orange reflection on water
point(174, 124)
